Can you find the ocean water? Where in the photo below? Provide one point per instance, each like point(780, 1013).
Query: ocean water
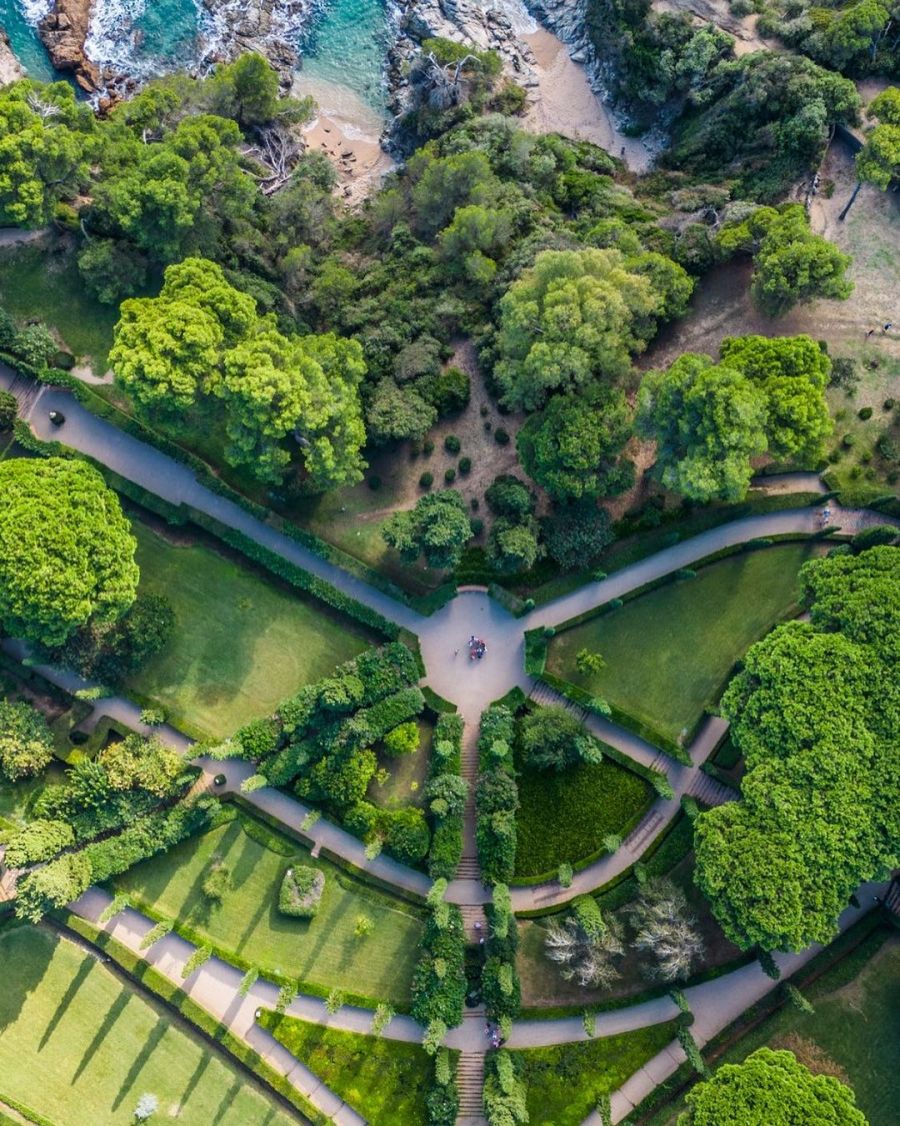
point(343, 46)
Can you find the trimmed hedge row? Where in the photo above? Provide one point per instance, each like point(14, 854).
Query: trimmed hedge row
point(447, 830)
point(496, 796)
point(439, 981)
point(149, 978)
point(500, 985)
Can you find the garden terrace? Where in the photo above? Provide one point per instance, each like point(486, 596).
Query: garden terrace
point(386, 1081)
point(78, 1046)
point(246, 928)
point(669, 651)
point(242, 643)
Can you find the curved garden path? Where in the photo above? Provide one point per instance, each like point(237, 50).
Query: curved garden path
point(471, 686)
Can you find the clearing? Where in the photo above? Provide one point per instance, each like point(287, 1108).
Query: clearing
point(668, 651)
point(77, 1046)
point(241, 644)
point(247, 928)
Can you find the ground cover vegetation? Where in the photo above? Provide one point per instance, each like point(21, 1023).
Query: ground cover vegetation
point(78, 1046)
point(385, 1080)
point(814, 713)
point(224, 889)
point(693, 630)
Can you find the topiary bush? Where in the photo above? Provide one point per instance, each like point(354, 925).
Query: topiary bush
point(501, 436)
point(450, 475)
point(465, 465)
point(301, 892)
point(402, 740)
point(452, 444)
point(864, 413)
point(426, 480)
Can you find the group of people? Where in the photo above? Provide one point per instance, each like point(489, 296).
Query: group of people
point(477, 648)
point(494, 1032)
point(825, 516)
point(884, 328)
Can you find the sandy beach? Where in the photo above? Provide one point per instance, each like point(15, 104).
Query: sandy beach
point(566, 104)
point(347, 131)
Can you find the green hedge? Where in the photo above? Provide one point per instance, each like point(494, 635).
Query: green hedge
point(536, 647)
point(175, 998)
point(436, 703)
point(24, 1111)
point(447, 832)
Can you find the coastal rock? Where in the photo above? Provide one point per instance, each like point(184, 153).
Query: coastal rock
point(10, 68)
point(63, 32)
point(267, 26)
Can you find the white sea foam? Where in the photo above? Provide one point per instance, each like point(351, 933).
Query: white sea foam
point(523, 22)
point(110, 39)
point(33, 11)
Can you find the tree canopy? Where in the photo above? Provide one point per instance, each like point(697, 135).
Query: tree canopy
point(438, 528)
point(816, 712)
point(879, 160)
point(26, 745)
point(201, 341)
point(771, 1087)
point(574, 317)
point(66, 549)
point(553, 739)
point(790, 263)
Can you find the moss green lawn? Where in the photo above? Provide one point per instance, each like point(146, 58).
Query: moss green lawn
point(668, 651)
point(80, 1048)
point(385, 1080)
point(407, 773)
point(248, 929)
point(564, 817)
point(241, 644)
point(564, 1082)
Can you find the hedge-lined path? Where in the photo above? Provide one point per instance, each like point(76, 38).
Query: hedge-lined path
point(215, 988)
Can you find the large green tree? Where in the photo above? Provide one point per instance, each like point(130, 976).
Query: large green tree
point(708, 421)
point(438, 528)
point(553, 739)
point(201, 342)
point(816, 712)
point(879, 160)
point(574, 446)
point(66, 549)
point(575, 317)
point(26, 745)
point(772, 1088)
point(790, 263)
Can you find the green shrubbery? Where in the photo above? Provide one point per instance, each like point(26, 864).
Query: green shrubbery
point(500, 985)
point(446, 792)
point(496, 796)
point(439, 983)
point(301, 891)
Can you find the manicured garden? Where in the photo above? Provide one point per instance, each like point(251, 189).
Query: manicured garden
point(400, 778)
point(246, 926)
point(566, 1081)
point(16, 798)
point(563, 817)
point(668, 651)
point(385, 1080)
point(78, 1047)
point(241, 644)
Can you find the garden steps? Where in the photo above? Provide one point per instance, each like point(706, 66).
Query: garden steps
point(708, 791)
point(892, 899)
point(472, 914)
point(469, 868)
point(546, 696)
point(637, 840)
point(470, 1084)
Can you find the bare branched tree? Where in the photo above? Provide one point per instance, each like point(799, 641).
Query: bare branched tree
point(589, 961)
point(666, 930)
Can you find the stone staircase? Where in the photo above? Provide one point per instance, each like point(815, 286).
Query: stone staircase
point(26, 392)
point(547, 697)
point(469, 868)
point(708, 791)
point(470, 1084)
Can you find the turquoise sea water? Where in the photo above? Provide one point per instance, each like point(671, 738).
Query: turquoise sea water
point(344, 45)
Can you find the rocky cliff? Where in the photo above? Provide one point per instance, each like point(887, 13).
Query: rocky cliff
point(10, 69)
point(64, 30)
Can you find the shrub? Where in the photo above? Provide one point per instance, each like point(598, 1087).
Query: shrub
point(39, 840)
point(402, 740)
point(887, 405)
point(428, 446)
point(477, 526)
point(301, 892)
point(9, 407)
point(439, 981)
point(465, 465)
point(874, 537)
point(450, 475)
point(426, 480)
point(864, 413)
point(452, 444)
point(565, 875)
point(406, 835)
point(216, 881)
point(501, 436)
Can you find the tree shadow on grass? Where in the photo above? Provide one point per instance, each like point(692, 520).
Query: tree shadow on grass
point(159, 1030)
point(112, 1015)
point(227, 1099)
point(202, 1065)
point(68, 997)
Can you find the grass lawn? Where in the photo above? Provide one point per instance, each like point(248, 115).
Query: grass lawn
point(385, 1080)
point(564, 817)
point(565, 1081)
point(668, 651)
point(37, 282)
point(854, 1032)
point(241, 644)
point(80, 1048)
point(249, 930)
point(407, 773)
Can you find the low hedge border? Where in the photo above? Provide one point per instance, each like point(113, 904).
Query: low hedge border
point(140, 972)
point(288, 572)
point(22, 1110)
point(437, 704)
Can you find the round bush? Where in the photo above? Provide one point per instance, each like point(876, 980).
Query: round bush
point(888, 405)
point(426, 480)
point(864, 413)
point(452, 444)
point(847, 441)
point(483, 411)
point(501, 437)
point(450, 475)
point(465, 465)
point(374, 482)
point(487, 426)
point(428, 446)
point(474, 504)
